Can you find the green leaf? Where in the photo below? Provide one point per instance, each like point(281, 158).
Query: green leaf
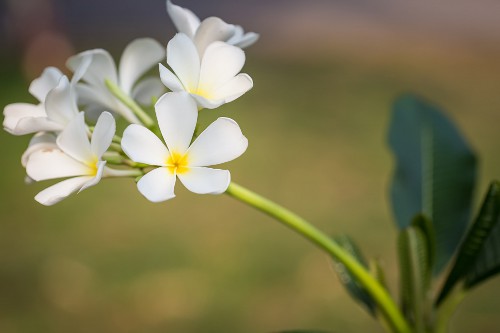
point(415, 275)
point(471, 260)
point(378, 272)
point(435, 173)
point(487, 262)
point(354, 288)
point(427, 228)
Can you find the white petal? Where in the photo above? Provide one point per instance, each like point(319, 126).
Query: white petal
point(24, 118)
point(41, 86)
point(242, 39)
point(210, 30)
point(61, 190)
point(205, 180)
point(82, 68)
point(205, 103)
point(74, 141)
point(97, 178)
point(143, 146)
point(91, 95)
point(14, 112)
point(100, 99)
point(233, 88)
point(157, 185)
point(60, 103)
point(137, 58)
point(29, 125)
point(148, 89)
point(93, 101)
point(126, 113)
point(184, 20)
point(50, 164)
point(100, 69)
point(103, 134)
point(221, 142)
point(221, 62)
point(183, 58)
point(177, 114)
point(237, 36)
point(102, 66)
point(40, 141)
point(92, 113)
point(248, 39)
point(170, 80)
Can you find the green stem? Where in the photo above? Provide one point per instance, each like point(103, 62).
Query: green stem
point(116, 147)
point(447, 309)
point(135, 165)
point(113, 157)
point(109, 172)
point(130, 103)
point(117, 139)
point(298, 224)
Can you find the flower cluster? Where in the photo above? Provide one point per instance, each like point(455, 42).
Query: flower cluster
point(74, 122)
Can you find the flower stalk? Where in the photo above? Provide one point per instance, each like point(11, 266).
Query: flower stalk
point(130, 103)
point(386, 304)
point(447, 309)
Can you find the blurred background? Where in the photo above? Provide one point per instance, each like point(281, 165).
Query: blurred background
point(325, 74)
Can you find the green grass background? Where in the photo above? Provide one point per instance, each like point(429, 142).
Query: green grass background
point(107, 260)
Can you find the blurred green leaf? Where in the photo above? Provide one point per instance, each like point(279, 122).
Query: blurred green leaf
point(414, 273)
point(473, 253)
point(378, 272)
point(427, 228)
point(435, 173)
point(487, 262)
point(355, 289)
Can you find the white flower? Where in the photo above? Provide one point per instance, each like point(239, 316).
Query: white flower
point(47, 81)
point(18, 116)
point(137, 58)
point(54, 114)
point(177, 115)
point(212, 81)
point(242, 39)
point(26, 118)
point(40, 141)
point(210, 30)
point(75, 157)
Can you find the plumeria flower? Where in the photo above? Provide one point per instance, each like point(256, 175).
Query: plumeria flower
point(40, 141)
point(58, 109)
point(16, 115)
point(211, 81)
point(210, 30)
point(137, 58)
point(26, 118)
point(177, 115)
point(47, 81)
point(242, 39)
point(75, 156)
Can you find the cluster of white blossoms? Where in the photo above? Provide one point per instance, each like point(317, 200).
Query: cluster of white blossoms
point(74, 122)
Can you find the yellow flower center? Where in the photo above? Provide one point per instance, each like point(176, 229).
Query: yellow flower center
point(93, 166)
point(201, 91)
point(177, 163)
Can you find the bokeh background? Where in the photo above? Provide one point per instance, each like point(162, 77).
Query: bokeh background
point(325, 73)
